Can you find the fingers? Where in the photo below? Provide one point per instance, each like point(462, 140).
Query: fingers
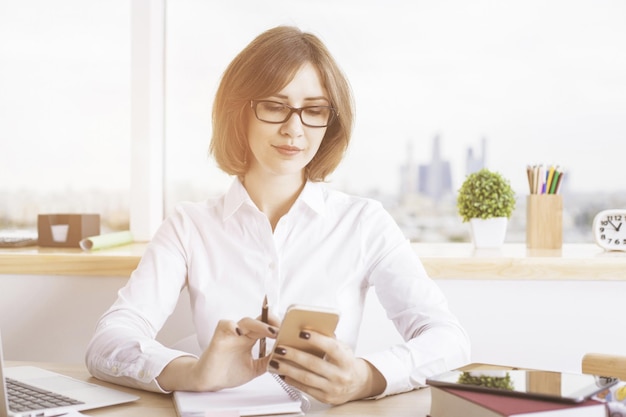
point(300, 365)
point(227, 328)
point(336, 378)
point(228, 360)
point(329, 379)
point(272, 320)
point(309, 373)
point(334, 353)
point(255, 329)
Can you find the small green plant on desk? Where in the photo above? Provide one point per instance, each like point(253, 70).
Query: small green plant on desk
point(485, 194)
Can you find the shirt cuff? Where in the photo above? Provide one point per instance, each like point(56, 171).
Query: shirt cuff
point(393, 370)
point(142, 372)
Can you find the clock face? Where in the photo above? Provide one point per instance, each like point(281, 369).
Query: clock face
point(609, 229)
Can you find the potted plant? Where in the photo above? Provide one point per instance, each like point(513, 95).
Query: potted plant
point(486, 200)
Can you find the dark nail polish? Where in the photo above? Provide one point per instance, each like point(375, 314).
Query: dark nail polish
point(238, 331)
point(271, 329)
point(274, 364)
point(280, 351)
point(305, 335)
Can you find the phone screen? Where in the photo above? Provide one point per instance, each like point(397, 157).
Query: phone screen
point(559, 386)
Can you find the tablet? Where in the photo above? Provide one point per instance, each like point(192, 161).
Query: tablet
point(547, 385)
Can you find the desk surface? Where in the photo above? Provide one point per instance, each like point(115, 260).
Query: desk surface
point(410, 404)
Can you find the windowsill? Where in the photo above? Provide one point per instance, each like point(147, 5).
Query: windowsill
point(35, 260)
point(441, 260)
point(515, 262)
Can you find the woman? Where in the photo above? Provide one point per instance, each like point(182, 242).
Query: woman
point(282, 121)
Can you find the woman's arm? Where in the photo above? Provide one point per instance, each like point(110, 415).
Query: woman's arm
point(123, 349)
point(435, 341)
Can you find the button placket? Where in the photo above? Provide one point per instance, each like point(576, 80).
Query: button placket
point(274, 273)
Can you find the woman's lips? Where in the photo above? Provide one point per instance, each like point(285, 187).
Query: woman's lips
point(287, 150)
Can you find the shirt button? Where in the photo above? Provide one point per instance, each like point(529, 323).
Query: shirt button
point(141, 374)
point(114, 369)
point(271, 266)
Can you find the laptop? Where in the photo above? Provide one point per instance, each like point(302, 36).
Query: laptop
point(62, 393)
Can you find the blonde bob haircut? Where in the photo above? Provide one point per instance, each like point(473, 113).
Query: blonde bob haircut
point(264, 68)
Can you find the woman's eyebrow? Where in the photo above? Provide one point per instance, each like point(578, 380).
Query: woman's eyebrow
point(284, 97)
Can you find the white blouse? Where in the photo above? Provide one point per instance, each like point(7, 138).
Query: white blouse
point(328, 250)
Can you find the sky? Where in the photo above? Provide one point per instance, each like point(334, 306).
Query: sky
point(541, 81)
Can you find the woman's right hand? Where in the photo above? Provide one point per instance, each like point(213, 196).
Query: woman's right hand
point(227, 362)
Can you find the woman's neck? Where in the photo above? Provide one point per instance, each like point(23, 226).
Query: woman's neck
point(274, 196)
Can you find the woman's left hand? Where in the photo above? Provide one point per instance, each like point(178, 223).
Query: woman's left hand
point(337, 378)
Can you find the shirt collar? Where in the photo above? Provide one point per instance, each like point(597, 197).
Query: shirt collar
point(234, 198)
point(312, 195)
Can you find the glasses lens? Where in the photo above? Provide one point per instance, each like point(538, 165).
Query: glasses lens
point(316, 116)
point(270, 111)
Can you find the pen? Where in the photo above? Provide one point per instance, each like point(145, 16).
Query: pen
point(558, 182)
point(529, 175)
point(549, 177)
point(541, 176)
point(555, 179)
point(264, 320)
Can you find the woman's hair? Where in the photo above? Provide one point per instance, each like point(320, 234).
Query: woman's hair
point(264, 68)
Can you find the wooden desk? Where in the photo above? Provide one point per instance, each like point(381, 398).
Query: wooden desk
point(149, 404)
point(411, 404)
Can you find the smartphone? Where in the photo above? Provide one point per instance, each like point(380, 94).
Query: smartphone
point(546, 385)
point(301, 317)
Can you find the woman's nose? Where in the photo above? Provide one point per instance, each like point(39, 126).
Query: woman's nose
point(293, 126)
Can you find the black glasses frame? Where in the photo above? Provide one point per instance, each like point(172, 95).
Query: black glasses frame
point(298, 110)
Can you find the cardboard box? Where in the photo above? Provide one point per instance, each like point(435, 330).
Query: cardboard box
point(66, 230)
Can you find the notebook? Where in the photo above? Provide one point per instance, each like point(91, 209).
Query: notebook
point(63, 394)
point(264, 395)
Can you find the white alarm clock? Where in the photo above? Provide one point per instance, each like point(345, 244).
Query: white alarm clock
point(609, 229)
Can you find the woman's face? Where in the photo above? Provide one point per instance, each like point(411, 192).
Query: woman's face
point(284, 149)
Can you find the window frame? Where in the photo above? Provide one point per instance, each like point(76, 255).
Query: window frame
point(147, 182)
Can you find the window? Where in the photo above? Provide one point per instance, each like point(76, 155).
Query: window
point(534, 81)
point(516, 83)
point(64, 110)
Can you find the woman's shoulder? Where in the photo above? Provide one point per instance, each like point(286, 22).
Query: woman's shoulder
point(345, 203)
point(192, 206)
point(366, 214)
point(336, 196)
point(208, 208)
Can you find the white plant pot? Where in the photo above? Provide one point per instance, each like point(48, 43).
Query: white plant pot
point(488, 233)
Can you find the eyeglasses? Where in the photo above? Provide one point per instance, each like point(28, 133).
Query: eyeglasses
point(274, 112)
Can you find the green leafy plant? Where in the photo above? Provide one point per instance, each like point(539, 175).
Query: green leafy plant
point(485, 194)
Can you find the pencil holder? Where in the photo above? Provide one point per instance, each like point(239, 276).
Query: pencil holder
point(544, 221)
